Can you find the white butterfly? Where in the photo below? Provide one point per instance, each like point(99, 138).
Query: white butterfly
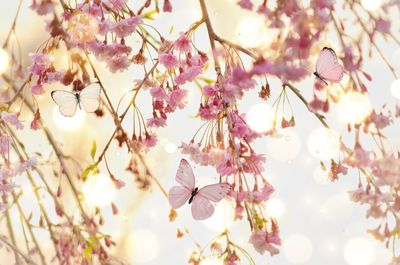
point(88, 98)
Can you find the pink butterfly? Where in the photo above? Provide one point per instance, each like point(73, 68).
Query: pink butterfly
point(328, 67)
point(199, 198)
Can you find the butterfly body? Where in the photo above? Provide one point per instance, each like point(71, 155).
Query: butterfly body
point(88, 99)
point(199, 198)
point(320, 78)
point(328, 67)
point(194, 192)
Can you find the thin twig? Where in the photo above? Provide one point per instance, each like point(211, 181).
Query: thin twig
point(17, 251)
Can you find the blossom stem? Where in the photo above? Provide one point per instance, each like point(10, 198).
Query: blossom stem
point(29, 227)
point(11, 232)
point(320, 117)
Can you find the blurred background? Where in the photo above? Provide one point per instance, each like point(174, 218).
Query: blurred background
point(319, 224)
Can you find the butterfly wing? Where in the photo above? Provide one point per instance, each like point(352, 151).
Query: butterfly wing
point(201, 208)
point(328, 67)
point(89, 97)
point(184, 175)
point(66, 101)
point(178, 196)
point(214, 192)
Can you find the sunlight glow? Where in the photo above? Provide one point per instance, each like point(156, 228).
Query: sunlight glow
point(324, 143)
point(223, 216)
point(4, 60)
point(68, 124)
point(260, 118)
point(359, 251)
point(297, 249)
point(371, 5)
point(275, 208)
point(143, 246)
point(354, 107)
point(395, 88)
point(252, 32)
point(98, 190)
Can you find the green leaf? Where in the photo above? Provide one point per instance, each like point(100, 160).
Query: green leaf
point(87, 252)
point(171, 29)
point(92, 242)
point(208, 81)
point(87, 171)
point(395, 232)
point(93, 150)
point(150, 14)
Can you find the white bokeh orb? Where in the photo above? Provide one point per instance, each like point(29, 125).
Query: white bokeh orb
point(170, 148)
point(275, 208)
point(252, 32)
point(284, 145)
point(324, 143)
point(143, 246)
point(395, 88)
point(261, 118)
point(98, 190)
point(223, 217)
point(371, 5)
point(359, 251)
point(354, 107)
point(297, 249)
point(336, 208)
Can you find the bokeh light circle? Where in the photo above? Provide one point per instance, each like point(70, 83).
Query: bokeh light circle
point(4, 60)
point(297, 249)
point(336, 208)
point(223, 216)
point(354, 107)
point(98, 190)
point(359, 251)
point(68, 124)
point(285, 146)
point(395, 88)
point(275, 208)
point(144, 246)
point(251, 32)
point(260, 118)
point(170, 148)
point(324, 143)
point(371, 5)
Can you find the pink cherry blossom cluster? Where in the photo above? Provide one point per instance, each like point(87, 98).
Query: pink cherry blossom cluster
point(9, 168)
point(183, 63)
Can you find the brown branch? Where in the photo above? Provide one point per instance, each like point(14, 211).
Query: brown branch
point(211, 34)
point(320, 117)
